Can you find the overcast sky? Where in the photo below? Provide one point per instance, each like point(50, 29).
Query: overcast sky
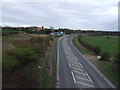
point(73, 14)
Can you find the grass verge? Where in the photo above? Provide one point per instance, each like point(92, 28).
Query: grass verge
point(80, 47)
point(109, 70)
point(49, 81)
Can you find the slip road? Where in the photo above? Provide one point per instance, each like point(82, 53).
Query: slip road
point(74, 71)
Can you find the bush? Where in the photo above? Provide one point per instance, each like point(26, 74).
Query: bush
point(9, 63)
point(44, 40)
point(105, 56)
point(26, 72)
point(117, 59)
point(97, 50)
point(107, 37)
point(24, 55)
point(40, 44)
point(39, 48)
point(36, 40)
point(20, 43)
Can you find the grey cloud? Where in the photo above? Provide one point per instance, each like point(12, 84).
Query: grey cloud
point(75, 15)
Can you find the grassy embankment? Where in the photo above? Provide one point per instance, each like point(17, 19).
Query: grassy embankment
point(22, 54)
point(49, 78)
point(109, 45)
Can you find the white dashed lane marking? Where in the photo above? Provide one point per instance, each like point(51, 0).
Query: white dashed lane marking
point(78, 73)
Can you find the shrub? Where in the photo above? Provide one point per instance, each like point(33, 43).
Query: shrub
point(39, 48)
point(107, 37)
point(40, 44)
point(9, 63)
point(36, 40)
point(24, 55)
point(20, 43)
point(26, 72)
point(105, 56)
point(97, 50)
point(117, 59)
point(44, 40)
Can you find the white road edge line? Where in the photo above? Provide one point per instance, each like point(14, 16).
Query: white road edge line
point(82, 78)
point(81, 65)
point(73, 77)
point(95, 68)
point(85, 84)
point(89, 77)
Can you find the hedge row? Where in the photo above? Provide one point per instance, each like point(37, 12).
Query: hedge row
point(95, 49)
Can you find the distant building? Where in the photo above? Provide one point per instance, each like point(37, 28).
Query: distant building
point(38, 28)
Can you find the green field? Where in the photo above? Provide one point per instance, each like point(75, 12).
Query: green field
point(109, 70)
point(109, 45)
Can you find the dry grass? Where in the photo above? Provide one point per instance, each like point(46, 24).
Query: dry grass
point(90, 57)
point(37, 35)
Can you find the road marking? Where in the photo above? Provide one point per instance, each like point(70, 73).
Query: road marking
point(78, 69)
point(73, 77)
point(94, 67)
point(67, 57)
point(89, 77)
point(69, 64)
point(73, 61)
point(79, 72)
point(109, 82)
point(75, 65)
point(81, 65)
point(89, 62)
point(65, 53)
point(85, 84)
point(76, 58)
point(82, 78)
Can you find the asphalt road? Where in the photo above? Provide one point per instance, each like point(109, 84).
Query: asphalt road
point(74, 71)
